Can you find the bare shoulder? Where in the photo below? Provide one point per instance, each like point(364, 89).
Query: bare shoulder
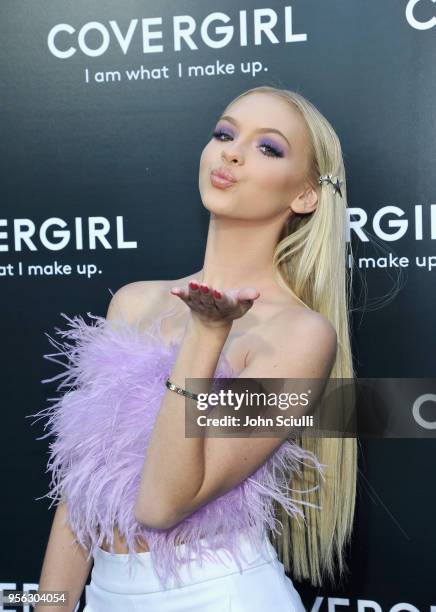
point(143, 300)
point(306, 326)
point(297, 342)
point(311, 322)
point(138, 299)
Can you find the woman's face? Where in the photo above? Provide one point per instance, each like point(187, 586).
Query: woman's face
point(270, 168)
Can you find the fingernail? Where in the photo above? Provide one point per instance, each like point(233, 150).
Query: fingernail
point(216, 294)
point(204, 289)
point(193, 285)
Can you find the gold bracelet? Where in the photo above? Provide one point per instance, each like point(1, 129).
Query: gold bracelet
point(172, 387)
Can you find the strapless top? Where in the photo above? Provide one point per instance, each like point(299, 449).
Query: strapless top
point(112, 382)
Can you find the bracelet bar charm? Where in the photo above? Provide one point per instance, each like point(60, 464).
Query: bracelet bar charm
point(172, 387)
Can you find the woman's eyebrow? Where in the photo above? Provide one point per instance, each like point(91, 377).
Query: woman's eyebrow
point(236, 123)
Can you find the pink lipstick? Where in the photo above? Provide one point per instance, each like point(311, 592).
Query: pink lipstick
point(222, 178)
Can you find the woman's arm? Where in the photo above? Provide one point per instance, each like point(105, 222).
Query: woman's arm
point(65, 567)
point(181, 474)
point(174, 465)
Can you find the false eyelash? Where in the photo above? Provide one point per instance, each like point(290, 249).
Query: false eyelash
point(275, 152)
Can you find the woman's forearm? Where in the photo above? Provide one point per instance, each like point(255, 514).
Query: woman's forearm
point(173, 469)
point(65, 566)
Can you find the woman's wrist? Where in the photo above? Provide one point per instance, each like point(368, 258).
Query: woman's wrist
point(199, 353)
point(213, 330)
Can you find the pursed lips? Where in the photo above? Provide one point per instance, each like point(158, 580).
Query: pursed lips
point(224, 174)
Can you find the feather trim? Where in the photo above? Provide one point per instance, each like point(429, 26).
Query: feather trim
point(112, 386)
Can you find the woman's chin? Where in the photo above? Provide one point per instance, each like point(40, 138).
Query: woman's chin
point(218, 205)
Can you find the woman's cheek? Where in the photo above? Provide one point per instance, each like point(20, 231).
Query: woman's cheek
point(206, 163)
point(202, 157)
point(272, 181)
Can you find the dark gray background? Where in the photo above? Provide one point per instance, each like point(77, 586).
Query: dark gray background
point(70, 149)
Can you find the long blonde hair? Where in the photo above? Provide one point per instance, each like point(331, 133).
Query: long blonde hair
point(310, 261)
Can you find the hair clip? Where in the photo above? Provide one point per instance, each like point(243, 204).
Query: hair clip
point(328, 178)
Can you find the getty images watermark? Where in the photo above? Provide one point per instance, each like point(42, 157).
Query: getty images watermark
point(278, 407)
point(254, 400)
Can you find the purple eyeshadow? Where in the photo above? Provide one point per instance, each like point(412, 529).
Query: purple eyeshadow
point(226, 130)
point(264, 141)
point(273, 144)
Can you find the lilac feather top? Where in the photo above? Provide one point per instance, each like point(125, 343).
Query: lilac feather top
point(112, 384)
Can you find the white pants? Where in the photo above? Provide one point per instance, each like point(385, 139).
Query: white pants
point(216, 586)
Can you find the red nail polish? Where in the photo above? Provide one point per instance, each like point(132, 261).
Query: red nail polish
point(204, 289)
point(217, 294)
point(193, 285)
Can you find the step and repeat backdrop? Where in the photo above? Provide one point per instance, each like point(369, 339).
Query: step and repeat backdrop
point(105, 108)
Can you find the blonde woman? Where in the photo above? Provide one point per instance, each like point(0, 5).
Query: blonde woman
point(212, 523)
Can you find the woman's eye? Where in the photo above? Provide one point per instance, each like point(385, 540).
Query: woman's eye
point(273, 151)
point(270, 150)
point(218, 133)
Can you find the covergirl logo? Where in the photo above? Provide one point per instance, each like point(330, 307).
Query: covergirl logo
point(216, 30)
point(389, 223)
point(342, 604)
point(55, 234)
point(417, 414)
point(414, 21)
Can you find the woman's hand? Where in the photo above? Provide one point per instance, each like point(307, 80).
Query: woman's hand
point(213, 307)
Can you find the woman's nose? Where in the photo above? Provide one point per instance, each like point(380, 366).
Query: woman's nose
point(232, 155)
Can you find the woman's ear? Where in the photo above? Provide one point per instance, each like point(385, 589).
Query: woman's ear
point(305, 202)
